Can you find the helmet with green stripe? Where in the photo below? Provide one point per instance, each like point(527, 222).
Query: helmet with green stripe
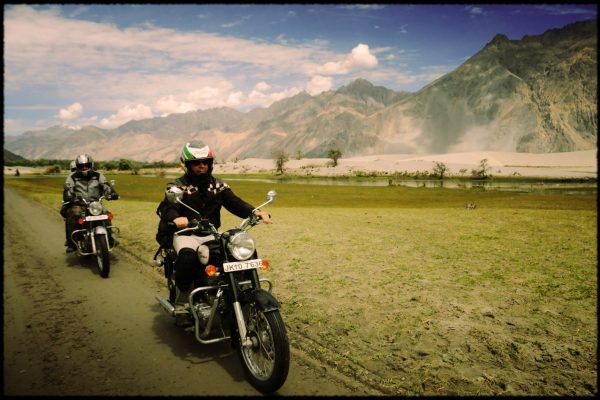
point(195, 151)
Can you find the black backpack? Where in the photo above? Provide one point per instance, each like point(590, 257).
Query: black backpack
point(164, 233)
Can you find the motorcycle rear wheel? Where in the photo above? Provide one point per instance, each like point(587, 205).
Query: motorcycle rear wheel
point(266, 362)
point(102, 255)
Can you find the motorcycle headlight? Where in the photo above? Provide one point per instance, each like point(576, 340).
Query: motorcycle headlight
point(241, 245)
point(95, 208)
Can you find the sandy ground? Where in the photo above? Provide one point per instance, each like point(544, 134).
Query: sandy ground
point(573, 164)
point(577, 164)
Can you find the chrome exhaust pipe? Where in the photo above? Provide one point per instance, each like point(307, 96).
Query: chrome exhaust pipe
point(166, 305)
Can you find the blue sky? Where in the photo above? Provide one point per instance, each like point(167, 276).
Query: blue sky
point(104, 65)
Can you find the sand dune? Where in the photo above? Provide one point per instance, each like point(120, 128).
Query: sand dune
point(571, 164)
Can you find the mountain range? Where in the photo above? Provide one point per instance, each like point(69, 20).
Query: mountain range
point(534, 95)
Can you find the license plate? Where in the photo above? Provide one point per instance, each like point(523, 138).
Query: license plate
point(96, 217)
point(241, 265)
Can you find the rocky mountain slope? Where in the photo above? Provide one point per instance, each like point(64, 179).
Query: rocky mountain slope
point(537, 95)
point(12, 157)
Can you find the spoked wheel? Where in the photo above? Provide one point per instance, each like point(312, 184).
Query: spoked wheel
point(266, 362)
point(102, 255)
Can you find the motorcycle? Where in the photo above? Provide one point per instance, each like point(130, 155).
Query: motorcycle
point(95, 237)
point(228, 301)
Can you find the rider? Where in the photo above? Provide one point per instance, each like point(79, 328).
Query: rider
point(206, 194)
point(84, 183)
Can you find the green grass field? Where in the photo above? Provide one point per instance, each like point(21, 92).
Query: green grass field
point(408, 292)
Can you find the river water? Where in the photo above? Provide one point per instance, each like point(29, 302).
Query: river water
point(517, 186)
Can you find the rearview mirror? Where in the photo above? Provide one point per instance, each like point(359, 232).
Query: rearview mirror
point(271, 195)
point(174, 194)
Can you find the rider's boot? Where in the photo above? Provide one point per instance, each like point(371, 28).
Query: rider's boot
point(182, 299)
point(182, 308)
point(70, 246)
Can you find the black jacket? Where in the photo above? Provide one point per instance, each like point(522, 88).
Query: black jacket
point(207, 198)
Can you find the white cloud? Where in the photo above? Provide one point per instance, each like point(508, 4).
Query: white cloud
point(282, 39)
point(262, 86)
point(565, 9)
point(70, 113)
point(475, 11)
point(319, 84)
point(364, 6)
point(222, 95)
point(126, 114)
point(234, 99)
point(169, 105)
point(262, 99)
point(236, 23)
point(206, 97)
point(360, 58)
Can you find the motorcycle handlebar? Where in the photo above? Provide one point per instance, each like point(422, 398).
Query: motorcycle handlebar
point(79, 199)
point(193, 224)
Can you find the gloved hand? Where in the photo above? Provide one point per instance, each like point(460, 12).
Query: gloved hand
point(113, 196)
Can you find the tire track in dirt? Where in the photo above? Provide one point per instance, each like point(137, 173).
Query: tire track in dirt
point(53, 321)
point(322, 360)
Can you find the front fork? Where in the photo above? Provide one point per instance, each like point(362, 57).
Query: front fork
point(237, 309)
point(261, 298)
point(98, 230)
point(239, 317)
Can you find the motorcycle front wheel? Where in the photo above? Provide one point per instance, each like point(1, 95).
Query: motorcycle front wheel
point(267, 361)
point(102, 255)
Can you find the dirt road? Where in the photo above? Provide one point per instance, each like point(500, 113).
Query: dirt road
point(67, 331)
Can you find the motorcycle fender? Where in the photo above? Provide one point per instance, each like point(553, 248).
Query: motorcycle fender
point(100, 230)
point(265, 300)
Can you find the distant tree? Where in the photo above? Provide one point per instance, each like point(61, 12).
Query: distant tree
point(440, 169)
point(334, 154)
point(482, 171)
point(299, 155)
point(135, 167)
point(281, 157)
point(161, 164)
point(110, 165)
point(124, 165)
point(53, 169)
